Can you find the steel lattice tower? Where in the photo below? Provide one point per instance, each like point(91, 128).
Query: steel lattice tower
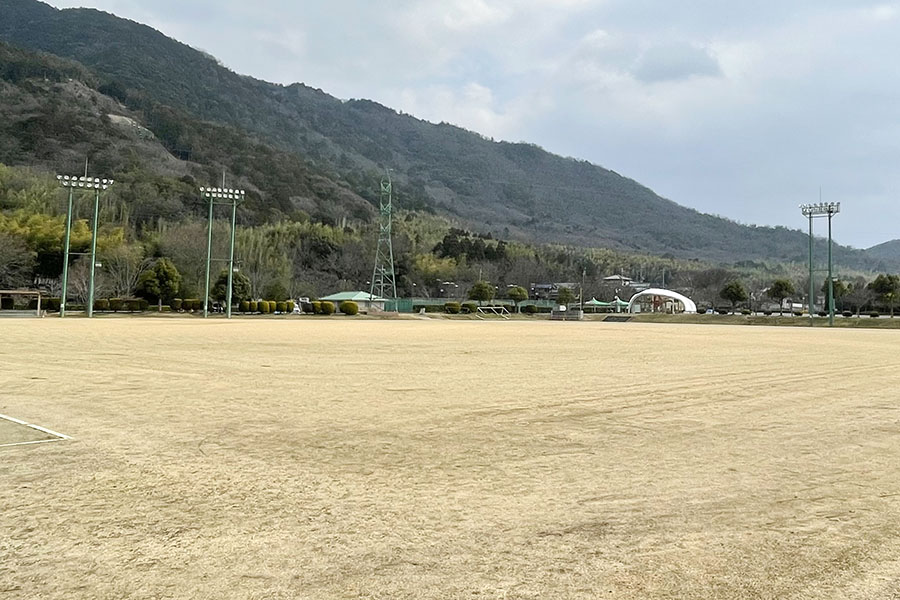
point(383, 279)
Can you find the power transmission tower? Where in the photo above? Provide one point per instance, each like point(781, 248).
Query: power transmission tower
point(383, 279)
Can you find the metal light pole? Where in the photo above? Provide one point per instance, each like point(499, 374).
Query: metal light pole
point(90, 304)
point(221, 196)
point(581, 291)
point(231, 261)
point(833, 209)
point(83, 183)
point(208, 257)
point(821, 209)
point(65, 273)
point(812, 286)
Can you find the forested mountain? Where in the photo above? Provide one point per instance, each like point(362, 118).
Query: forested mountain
point(888, 251)
point(302, 152)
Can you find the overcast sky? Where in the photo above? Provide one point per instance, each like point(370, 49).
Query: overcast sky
point(742, 109)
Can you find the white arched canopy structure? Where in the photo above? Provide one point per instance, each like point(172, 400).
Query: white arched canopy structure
point(689, 306)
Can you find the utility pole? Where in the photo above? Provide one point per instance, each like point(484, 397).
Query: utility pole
point(383, 278)
point(581, 292)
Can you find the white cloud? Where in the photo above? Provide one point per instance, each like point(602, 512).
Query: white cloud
point(741, 109)
point(675, 61)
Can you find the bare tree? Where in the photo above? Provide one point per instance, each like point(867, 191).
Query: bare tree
point(80, 280)
point(123, 266)
point(15, 262)
point(185, 244)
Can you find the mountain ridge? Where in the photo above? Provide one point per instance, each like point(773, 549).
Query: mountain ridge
point(498, 187)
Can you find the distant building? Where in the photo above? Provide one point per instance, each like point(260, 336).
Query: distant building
point(549, 291)
point(661, 301)
point(618, 280)
point(364, 300)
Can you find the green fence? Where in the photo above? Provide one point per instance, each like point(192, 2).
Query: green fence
point(405, 305)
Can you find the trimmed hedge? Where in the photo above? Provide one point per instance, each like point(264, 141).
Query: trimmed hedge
point(192, 304)
point(847, 313)
point(452, 308)
point(244, 306)
point(745, 311)
point(264, 307)
point(348, 307)
point(116, 304)
point(316, 307)
point(176, 304)
point(254, 306)
point(281, 307)
point(874, 314)
point(327, 308)
point(798, 313)
point(469, 307)
point(102, 304)
point(530, 309)
point(822, 313)
point(701, 310)
point(290, 305)
point(429, 308)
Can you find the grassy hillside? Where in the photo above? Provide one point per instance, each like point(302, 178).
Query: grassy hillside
point(310, 152)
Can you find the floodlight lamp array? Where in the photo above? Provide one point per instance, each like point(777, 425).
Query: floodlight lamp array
point(222, 193)
point(821, 208)
point(92, 183)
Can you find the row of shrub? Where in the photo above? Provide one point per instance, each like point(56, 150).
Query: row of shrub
point(324, 307)
point(186, 304)
point(797, 313)
point(101, 304)
point(266, 307)
point(121, 304)
point(316, 307)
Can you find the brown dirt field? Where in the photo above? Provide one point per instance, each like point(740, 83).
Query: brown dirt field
point(15, 433)
point(306, 458)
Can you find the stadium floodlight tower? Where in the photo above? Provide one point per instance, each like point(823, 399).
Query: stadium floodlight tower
point(96, 185)
point(383, 278)
point(812, 211)
point(228, 196)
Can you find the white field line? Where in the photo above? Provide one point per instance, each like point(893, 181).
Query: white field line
point(59, 436)
point(34, 442)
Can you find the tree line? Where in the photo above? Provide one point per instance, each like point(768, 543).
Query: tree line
point(139, 239)
point(855, 297)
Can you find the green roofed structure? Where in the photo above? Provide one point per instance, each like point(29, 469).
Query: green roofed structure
point(365, 300)
point(616, 305)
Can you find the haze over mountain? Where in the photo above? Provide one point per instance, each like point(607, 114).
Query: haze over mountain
point(729, 108)
point(301, 149)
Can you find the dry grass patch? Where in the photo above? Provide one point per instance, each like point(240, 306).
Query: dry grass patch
point(450, 459)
